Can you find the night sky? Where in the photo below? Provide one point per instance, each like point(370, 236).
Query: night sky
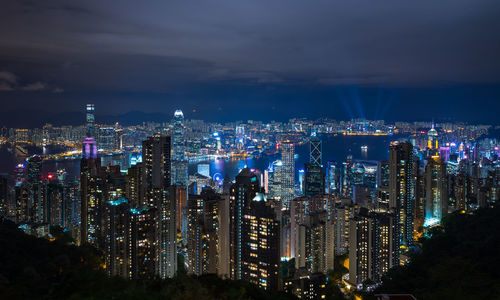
point(250, 59)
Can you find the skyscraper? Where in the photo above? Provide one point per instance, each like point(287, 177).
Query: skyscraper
point(314, 243)
point(260, 246)
point(160, 195)
point(166, 233)
point(242, 192)
point(90, 125)
point(372, 246)
point(332, 177)
point(315, 151)
point(402, 189)
point(156, 169)
point(36, 204)
point(436, 191)
point(92, 197)
point(142, 243)
point(116, 229)
point(179, 163)
point(314, 182)
point(203, 234)
point(287, 173)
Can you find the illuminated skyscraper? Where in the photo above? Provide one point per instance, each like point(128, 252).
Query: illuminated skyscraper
point(436, 191)
point(142, 243)
point(242, 192)
point(116, 229)
point(179, 163)
point(402, 189)
point(383, 174)
point(203, 234)
point(287, 173)
point(107, 138)
point(372, 246)
point(92, 199)
point(314, 243)
point(37, 205)
point(90, 120)
point(343, 213)
point(314, 181)
point(160, 195)
point(315, 151)
point(166, 233)
point(432, 142)
point(156, 169)
point(260, 246)
point(332, 177)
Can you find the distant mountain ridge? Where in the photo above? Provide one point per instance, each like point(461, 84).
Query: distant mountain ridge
point(30, 118)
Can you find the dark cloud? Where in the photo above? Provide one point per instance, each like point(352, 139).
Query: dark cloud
point(110, 48)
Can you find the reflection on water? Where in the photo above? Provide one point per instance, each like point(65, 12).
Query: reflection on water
point(335, 148)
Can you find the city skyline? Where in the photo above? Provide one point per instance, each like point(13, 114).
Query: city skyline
point(249, 149)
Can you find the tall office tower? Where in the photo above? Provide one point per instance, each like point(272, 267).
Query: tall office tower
point(242, 192)
point(72, 208)
point(142, 243)
point(383, 174)
point(419, 214)
point(240, 137)
point(274, 176)
point(372, 246)
point(332, 177)
point(181, 207)
point(260, 244)
point(179, 162)
point(314, 243)
point(359, 239)
point(203, 234)
point(166, 233)
point(402, 189)
point(436, 191)
point(21, 200)
point(36, 204)
point(90, 126)
point(92, 195)
point(134, 191)
point(432, 142)
point(288, 173)
point(4, 196)
point(314, 182)
point(462, 190)
point(156, 169)
point(54, 208)
point(224, 266)
point(107, 138)
point(315, 151)
point(347, 177)
point(343, 213)
point(117, 237)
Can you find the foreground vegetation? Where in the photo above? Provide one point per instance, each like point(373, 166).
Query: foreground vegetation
point(34, 268)
point(460, 261)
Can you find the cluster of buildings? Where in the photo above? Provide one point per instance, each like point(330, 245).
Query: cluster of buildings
point(269, 227)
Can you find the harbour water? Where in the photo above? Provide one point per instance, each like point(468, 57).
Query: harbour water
point(335, 148)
